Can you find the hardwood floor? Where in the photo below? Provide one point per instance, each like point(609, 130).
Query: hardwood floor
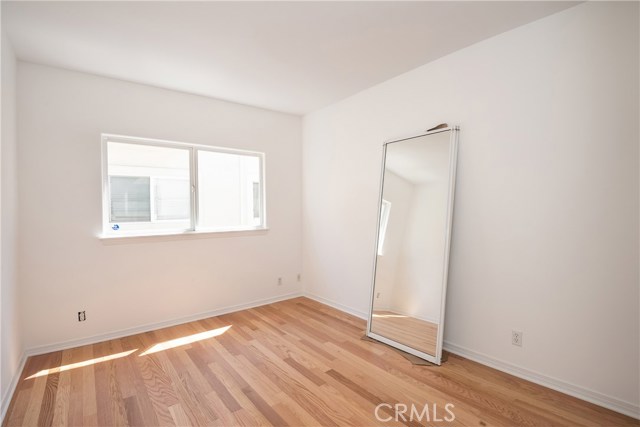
point(407, 330)
point(295, 362)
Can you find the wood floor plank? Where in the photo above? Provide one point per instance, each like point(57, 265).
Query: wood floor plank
point(248, 412)
point(36, 401)
point(47, 407)
point(294, 413)
point(296, 362)
point(89, 395)
point(248, 373)
point(298, 388)
point(179, 416)
point(218, 388)
point(143, 399)
point(62, 402)
point(265, 409)
point(18, 408)
point(184, 389)
point(76, 392)
point(134, 414)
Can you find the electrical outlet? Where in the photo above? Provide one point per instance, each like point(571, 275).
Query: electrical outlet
point(516, 338)
point(378, 295)
point(82, 316)
point(298, 277)
point(279, 281)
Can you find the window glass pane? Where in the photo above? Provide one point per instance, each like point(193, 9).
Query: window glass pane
point(149, 188)
point(229, 190)
point(172, 198)
point(130, 199)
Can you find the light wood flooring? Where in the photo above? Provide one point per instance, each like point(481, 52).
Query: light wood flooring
point(407, 330)
point(296, 362)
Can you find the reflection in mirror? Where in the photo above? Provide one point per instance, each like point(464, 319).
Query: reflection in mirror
point(413, 243)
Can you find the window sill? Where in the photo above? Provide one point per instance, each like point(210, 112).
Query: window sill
point(135, 238)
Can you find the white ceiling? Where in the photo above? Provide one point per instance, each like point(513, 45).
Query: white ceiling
point(287, 56)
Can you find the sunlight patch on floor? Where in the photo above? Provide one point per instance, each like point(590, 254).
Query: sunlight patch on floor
point(186, 340)
point(388, 315)
point(80, 364)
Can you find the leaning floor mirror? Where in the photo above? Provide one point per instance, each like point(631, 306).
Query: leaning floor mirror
point(413, 239)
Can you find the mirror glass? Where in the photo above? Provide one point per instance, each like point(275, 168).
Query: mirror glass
point(413, 243)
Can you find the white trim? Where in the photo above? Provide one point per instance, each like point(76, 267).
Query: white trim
point(360, 314)
point(582, 393)
point(194, 201)
point(411, 350)
point(6, 399)
point(130, 238)
point(177, 144)
point(375, 248)
point(48, 348)
point(453, 161)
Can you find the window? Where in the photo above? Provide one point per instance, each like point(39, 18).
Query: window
point(158, 187)
point(385, 209)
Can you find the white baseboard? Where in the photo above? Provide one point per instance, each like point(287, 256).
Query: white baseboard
point(582, 393)
point(6, 399)
point(361, 314)
point(48, 348)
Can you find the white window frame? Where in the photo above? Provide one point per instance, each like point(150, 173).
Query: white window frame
point(193, 176)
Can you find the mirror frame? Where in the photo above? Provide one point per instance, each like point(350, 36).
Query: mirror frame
point(453, 157)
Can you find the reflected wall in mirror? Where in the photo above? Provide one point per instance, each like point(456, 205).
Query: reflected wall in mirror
point(412, 251)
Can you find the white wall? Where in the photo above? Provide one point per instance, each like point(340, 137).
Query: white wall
point(420, 271)
point(545, 236)
point(11, 348)
point(65, 268)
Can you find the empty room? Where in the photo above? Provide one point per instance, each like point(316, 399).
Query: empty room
point(320, 213)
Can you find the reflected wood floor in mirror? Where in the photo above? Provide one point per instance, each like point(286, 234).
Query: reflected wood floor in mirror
point(415, 333)
point(296, 362)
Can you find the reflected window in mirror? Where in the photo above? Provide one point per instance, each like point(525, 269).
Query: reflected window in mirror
point(385, 210)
